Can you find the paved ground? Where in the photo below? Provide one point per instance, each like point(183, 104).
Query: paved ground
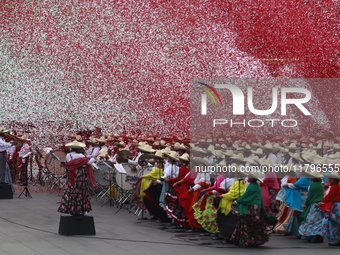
point(30, 226)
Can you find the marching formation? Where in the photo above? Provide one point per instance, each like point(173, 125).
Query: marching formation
point(237, 189)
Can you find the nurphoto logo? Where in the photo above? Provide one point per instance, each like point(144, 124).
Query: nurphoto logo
point(288, 96)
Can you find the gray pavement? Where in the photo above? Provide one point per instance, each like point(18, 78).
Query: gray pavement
point(30, 226)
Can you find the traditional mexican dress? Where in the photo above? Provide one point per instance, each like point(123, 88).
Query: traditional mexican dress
point(324, 220)
point(76, 197)
point(173, 207)
point(251, 229)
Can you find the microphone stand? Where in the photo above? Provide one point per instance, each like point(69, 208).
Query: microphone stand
point(111, 202)
point(25, 191)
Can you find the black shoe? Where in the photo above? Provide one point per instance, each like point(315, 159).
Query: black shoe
point(217, 238)
point(316, 239)
point(334, 244)
point(226, 241)
point(166, 220)
point(205, 234)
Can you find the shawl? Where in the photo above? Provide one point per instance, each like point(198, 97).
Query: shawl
point(252, 196)
point(293, 196)
point(154, 175)
point(79, 163)
point(220, 178)
point(181, 174)
point(269, 182)
point(332, 196)
point(235, 191)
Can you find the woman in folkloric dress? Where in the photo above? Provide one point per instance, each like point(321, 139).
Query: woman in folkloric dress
point(173, 208)
point(251, 229)
point(76, 198)
point(323, 219)
point(306, 219)
point(205, 211)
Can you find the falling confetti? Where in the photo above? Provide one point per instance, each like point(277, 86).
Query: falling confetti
point(68, 65)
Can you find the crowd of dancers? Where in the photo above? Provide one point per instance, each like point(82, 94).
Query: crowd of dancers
point(290, 187)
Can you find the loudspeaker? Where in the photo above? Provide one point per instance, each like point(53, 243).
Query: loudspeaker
point(76, 225)
point(6, 191)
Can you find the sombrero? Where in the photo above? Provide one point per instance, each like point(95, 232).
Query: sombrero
point(251, 160)
point(307, 171)
point(332, 175)
point(258, 152)
point(101, 139)
point(254, 175)
point(75, 145)
point(179, 146)
point(238, 157)
point(2, 130)
point(228, 153)
point(185, 157)
point(146, 148)
point(172, 155)
point(158, 154)
point(200, 161)
point(292, 146)
point(267, 146)
point(296, 156)
point(218, 154)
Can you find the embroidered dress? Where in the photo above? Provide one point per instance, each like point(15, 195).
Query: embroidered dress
point(76, 198)
point(174, 195)
point(325, 220)
point(206, 213)
point(251, 230)
point(174, 209)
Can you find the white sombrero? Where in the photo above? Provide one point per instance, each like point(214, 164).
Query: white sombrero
point(228, 153)
point(75, 145)
point(308, 172)
point(200, 161)
point(146, 148)
point(332, 175)
point(159, 154)
point(258, 152)
point(238, 157)
point(296, 156)
point(251, 160)
point(267, 146)
point(185, 157)
point(179, 146)
point(171, 155)
point(2, 130)
point(101, 139)
point(292, 146)
point(254, 175)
